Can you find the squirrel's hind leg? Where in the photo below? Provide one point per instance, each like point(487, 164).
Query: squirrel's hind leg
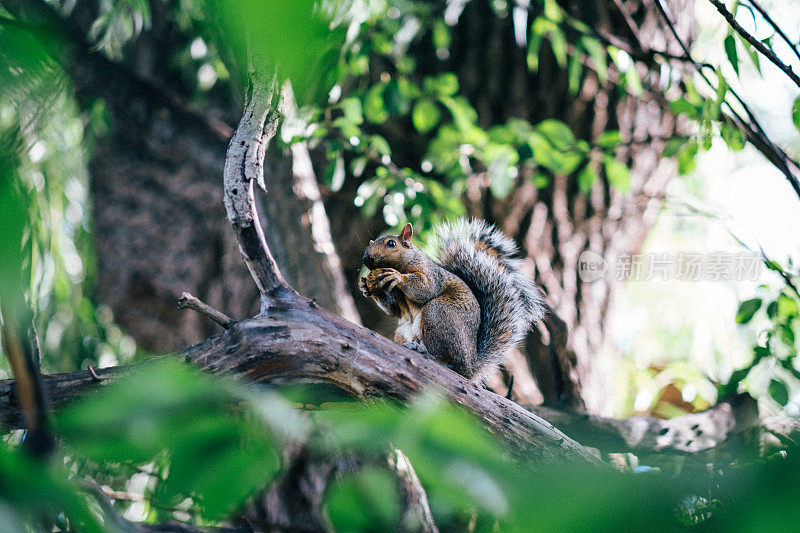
point(450, 334)
point(416, 346)
point(419, 347)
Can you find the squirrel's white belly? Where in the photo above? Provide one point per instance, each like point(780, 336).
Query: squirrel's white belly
point(409, 327)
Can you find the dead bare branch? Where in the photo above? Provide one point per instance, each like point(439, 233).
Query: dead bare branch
point(244, 167)
point(417, 514)
point(187, 301)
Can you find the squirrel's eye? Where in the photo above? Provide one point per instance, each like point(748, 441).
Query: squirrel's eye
point(390, 243)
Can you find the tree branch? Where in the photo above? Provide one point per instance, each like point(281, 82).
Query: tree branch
point(758, 45)
point(297, 339)
point(416, 515)
point(792, 46)
point(244, 166)
point(686, 434)
point(187, 301)
point(755, 133)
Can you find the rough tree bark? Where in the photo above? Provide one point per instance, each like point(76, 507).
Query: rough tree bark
point(159, 165)
point(170, 161)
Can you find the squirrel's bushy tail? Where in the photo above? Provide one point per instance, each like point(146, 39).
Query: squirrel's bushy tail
point(484, 258)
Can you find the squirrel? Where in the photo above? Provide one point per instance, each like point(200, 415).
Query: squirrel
point(468, 307)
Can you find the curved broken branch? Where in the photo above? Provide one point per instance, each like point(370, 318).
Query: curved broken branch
point(244, 167)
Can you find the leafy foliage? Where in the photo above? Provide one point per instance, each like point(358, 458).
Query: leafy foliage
point(216, 442)
point(223, 428)
point(774, 356)
point(363, 105)
point(41, 134)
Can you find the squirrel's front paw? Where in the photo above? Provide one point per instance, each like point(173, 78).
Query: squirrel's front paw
point(387, 279)
point(362, 285)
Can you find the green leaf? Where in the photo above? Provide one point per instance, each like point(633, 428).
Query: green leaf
point(730, 51)
point(686, 157)
point(786, 333)
point(539, 29)
point(732, 135)
point(166, 407)
point(425, 116)
point(541, 181)
point(772, 310)
point(558, 133)
point(747, 309)
point(609, 139)
point(787, 306)
point(440, 35)
point(292, 38)
point(633, 82)
point(351, 107)
point(14, 209)
point(398, 95)
point(464, 115)
point(445, 84)
point(558, 43)
point(380, 145)
point(778, 392)
point(796, 113)
point(366, 501)
point(619, 175)
point(598, 54)
point(772, 265)
point(682, 106)
point(374, 108)
point(751, 51)
point(722, 90)
point(759, 352)
point(574, 74)
point(586, 179)
point(673, 146)
point(334, 173)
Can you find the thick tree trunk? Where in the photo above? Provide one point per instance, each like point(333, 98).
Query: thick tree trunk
point(160, 168)
point(160, 163)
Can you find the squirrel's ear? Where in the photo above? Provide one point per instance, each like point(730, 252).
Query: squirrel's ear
point(405, 235)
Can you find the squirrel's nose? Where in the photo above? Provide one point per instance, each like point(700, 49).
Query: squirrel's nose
point(369, 262)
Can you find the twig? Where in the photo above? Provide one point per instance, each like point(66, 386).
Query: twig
point(416, 514)
point(755, 133)
point(510, 387)
point(786, 278)
point(792, 46)
point(93, 373)
point(21, 347)
point(187, 301)
point(761, 47)
point(629, 22)
point(106, 505)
